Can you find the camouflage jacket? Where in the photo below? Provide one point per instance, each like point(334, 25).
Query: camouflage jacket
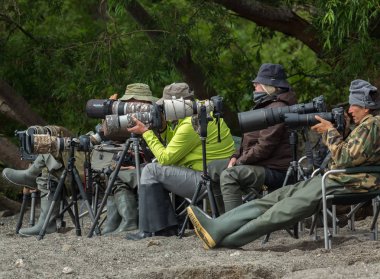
point(360, 148)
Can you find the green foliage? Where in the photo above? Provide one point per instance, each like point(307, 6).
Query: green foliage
point(346, 32)
point(60, 53)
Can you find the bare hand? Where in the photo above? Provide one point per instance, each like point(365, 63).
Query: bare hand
point(232, 162)
point(139, 128)
point(113, 97)
point(128, 168)
point(323, 126)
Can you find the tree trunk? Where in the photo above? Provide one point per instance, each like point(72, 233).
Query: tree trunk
point(8, 204)
point(10, 155)
point(191, 72)
point(280, 19)
point(14, 106)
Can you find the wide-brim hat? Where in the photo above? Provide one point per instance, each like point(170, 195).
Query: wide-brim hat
point(137, 91)
point(175, 91)
point(272, 74)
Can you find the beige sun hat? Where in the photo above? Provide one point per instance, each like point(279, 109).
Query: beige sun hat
point(138, 91)
point(176, 90)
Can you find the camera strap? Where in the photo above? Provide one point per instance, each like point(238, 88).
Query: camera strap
point(52, 187)
point(308, 151)
point(325, 161)
point(148, 156)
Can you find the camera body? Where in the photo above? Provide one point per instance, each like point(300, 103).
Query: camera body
point(295, 120)
point(22, 137)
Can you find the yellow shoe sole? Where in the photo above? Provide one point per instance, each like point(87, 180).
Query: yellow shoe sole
point(199, 230)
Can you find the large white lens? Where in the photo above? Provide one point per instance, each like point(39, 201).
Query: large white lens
point(178, 109)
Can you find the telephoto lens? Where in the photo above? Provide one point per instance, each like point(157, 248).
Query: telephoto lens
point(295, 120)
point(179, 108)
point(259, 119)
point(100, 108)
point(46, 144)
point(114, 124)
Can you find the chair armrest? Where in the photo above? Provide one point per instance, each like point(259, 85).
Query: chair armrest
point(361, 169)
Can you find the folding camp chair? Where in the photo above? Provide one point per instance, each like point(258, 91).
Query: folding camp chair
point(351, 198)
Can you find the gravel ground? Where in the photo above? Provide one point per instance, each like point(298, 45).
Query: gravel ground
point(65, 255)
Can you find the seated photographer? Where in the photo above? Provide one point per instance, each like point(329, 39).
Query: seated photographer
point(122, 203)
point(46, 169)
point(264, 156)
point(290, 204)
point(43, 174)
point(179, 166)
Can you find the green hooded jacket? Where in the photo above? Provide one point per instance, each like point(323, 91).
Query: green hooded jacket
point(184, 148)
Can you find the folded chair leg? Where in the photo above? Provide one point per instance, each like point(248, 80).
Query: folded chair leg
point(333, 221)
point(376, 209)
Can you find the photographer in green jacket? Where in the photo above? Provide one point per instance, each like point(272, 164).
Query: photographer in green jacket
point(178, 168)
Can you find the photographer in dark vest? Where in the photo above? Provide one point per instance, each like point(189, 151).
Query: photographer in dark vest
point(264, 156)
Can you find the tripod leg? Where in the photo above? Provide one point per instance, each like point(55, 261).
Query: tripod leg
point(56, 197)
point(137, 160)
point(95, 198)
point(211, 197)
point(84, 197)
point(193, 201)
point(25, 198)
point(67, 207)
point(102, 205)
point(33, 208)
point(74, 200)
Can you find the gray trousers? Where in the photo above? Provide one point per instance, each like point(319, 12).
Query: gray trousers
point(178, 180)
point(277, 210)
point(155, 209)
point(51, 172)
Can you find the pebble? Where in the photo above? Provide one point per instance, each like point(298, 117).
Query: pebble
point(66, 247)
point(19, 263)
point(237, 253)
point(67, 270)
point(153, 243)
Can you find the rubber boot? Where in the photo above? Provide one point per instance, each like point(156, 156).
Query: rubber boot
point(52, 227)
point(212, 231)
point(113, 217)
point(28, 177)
point(127, 208)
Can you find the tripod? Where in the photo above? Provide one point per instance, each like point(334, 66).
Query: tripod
point(135, 143)
point(205, 182)
point(294, 169)
point(75, 184)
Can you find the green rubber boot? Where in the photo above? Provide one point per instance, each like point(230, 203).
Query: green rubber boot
point(127, 207)
point(28, 177)
point(113, 217)
point(51, 228)
point(213, 231)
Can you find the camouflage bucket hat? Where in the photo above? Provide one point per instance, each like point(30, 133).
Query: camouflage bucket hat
point(177, 91)
point(137, 91)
